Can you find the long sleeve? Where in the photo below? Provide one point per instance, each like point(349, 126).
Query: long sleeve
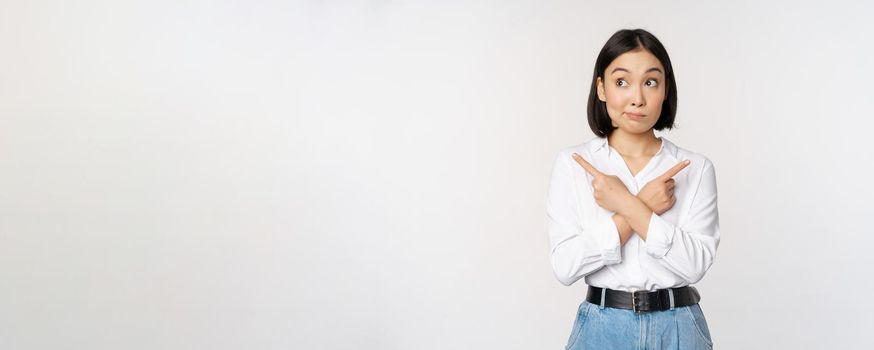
point(578, 246)
point(688, 249)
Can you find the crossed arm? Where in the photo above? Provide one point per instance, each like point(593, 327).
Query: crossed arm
point(579, 248)
point(633, 212)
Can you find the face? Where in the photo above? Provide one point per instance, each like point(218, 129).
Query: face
point(633, 89)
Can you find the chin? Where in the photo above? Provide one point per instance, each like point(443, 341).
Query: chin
point(636, 129)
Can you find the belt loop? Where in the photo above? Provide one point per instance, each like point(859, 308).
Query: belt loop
point(603, 298)
point(671, 297)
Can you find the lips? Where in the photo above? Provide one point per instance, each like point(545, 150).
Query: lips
point(634, 116)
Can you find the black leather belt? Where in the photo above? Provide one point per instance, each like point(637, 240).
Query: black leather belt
point(644, 301)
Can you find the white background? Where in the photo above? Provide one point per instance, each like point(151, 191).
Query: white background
point(372, 174)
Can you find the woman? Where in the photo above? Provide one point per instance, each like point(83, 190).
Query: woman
point(632, 213)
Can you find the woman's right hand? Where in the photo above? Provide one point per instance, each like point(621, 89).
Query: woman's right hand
point(658, 194)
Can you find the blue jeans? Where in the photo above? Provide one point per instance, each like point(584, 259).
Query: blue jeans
point(609, 328)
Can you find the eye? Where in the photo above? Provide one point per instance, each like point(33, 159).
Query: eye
point(620, 81)
point(652, 82)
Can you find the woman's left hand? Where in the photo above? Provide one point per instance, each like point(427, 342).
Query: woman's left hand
point(609, 191)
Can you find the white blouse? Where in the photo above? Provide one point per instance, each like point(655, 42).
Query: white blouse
point(584, 241)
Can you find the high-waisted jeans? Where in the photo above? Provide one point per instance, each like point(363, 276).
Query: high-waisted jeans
point(599, 327)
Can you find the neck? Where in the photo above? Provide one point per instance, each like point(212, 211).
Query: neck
point(634, 145)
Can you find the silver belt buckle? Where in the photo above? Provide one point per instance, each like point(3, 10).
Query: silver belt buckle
point(634, 302)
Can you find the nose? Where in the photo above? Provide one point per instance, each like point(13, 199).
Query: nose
point(637, 97)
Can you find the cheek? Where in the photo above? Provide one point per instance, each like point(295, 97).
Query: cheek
point(654, 101)
point(616, 98)
point(616, 102)
point(656, 97)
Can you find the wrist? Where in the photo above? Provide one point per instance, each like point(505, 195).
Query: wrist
point(642, 200)
point(628, 202)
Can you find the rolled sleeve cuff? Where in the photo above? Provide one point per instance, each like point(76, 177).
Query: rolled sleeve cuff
point(659, 237)
point(608, 242)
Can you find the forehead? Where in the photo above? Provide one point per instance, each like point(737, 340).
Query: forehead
point(636, 61)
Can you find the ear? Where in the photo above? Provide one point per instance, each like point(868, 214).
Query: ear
point(601, 94)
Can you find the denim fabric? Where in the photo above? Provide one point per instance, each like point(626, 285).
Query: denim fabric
point(609, 328)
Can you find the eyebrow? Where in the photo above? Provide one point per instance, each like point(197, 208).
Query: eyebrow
point(653, 69)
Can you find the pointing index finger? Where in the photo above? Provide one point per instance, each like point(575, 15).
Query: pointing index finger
point(676, 169)
point(588, 167)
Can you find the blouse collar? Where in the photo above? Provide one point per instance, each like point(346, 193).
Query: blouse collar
point(667, 147)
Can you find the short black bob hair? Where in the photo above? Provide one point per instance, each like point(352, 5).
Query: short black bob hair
point(621, 42)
